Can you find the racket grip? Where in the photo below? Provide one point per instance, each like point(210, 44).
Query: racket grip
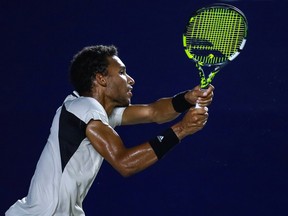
point(197, 106)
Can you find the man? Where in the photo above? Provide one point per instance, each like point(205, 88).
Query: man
point(82, 133)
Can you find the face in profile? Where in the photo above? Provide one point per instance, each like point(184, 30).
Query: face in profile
point(119, 83)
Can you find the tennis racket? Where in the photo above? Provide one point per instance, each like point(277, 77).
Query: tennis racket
point(213, 37)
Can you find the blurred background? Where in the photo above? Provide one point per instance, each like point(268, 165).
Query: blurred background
point(237, 165)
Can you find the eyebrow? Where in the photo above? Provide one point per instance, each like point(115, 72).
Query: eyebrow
point(122, 68)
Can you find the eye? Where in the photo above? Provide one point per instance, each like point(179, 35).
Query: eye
point(122, 72)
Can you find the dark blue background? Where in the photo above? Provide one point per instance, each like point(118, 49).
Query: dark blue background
point(237, 165)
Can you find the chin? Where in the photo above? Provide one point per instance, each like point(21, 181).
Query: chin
point(127, 104)
point(124, 104)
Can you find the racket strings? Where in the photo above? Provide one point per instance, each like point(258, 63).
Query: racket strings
point(215, 34)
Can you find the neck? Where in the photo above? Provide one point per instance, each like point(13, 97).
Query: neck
point(108, 106)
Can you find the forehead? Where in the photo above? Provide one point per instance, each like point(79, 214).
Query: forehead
point(115, 62)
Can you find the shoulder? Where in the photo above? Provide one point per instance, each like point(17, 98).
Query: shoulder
point(83, 103)
point(86, 108)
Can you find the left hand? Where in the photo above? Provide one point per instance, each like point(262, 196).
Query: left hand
point(200, 96)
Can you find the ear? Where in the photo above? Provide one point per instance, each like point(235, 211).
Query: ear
point(101, 80)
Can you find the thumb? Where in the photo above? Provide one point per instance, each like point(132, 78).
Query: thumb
point(201, 92)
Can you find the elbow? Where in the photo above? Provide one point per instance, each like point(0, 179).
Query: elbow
point(125, 171)
point(131, 163)
point(126, 174)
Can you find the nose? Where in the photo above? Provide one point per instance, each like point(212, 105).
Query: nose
point(131, 81)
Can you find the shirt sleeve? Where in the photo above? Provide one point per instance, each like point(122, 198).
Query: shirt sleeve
point(87, 109)
point(115, 118)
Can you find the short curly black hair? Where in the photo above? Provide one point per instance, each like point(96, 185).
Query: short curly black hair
point(86, 63)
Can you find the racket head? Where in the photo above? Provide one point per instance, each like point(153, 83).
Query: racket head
point(215, 35)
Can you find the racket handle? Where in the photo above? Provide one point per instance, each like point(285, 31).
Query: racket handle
point(197, 106)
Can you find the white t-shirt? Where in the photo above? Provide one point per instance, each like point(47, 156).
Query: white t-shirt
point(68, 164)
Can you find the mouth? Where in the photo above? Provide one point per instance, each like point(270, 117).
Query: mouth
point(129, 92)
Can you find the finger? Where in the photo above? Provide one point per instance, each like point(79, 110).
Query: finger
point(202, 120)
point(206, 93)
point(198, 111)
point(197, 87)
point(204, 102)
point(211, 87)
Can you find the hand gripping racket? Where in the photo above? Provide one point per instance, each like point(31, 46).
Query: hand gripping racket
point(214, 36)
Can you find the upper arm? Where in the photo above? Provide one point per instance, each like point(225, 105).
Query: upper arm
point(160, 111)
point(107, 142)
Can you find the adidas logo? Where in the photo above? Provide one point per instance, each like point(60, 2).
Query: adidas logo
point(160, 138)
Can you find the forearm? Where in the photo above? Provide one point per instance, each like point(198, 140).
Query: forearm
point(135, 159)
point(159, 111)
point(167, 109)
point(163, 111)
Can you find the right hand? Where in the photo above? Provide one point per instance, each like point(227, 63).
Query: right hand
point(198, 96)
point(193, 121)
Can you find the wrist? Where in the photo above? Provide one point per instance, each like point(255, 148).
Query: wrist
point(179, 102)
point(164, 142)
point(179, 131)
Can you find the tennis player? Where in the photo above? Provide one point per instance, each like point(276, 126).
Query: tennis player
point(82, 133)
